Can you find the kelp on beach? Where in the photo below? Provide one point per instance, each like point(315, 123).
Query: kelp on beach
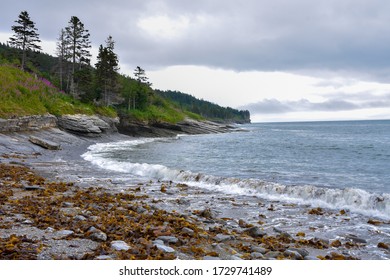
point(92, 219)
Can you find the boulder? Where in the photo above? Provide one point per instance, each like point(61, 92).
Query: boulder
point(46, 144)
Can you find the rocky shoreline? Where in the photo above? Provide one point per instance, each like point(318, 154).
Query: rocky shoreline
point(48, 212)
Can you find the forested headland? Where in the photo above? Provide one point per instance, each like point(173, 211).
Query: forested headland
point(33, 81)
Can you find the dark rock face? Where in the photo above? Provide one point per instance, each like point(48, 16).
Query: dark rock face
point(28, 123)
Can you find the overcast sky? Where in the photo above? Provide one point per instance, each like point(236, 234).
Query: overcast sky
point(283, 60)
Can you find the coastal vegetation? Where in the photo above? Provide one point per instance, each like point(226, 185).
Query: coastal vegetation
point(33, 82)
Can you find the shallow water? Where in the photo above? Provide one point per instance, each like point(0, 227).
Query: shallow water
point(277, 170)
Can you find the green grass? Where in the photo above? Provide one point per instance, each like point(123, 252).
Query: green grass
point(23, 94)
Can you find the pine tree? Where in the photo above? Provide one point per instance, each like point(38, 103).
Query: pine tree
point(107, 67)
point(25, 37)
point(63, 54)
point(78, 38)
point(143, 86)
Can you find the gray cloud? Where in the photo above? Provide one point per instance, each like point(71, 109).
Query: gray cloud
point(273, 106)
point(300, 35)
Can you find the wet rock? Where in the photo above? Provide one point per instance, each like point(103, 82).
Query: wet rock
point(97, 234)
point(63, 234)
point(303, 252)
point(33, 188)
point(188, 231)
point(46, 144)
point(311, 258)
point(255, 232)
point(208, 214)
point(293, 254)
point(67, 249)
point(272, 254)
point(80, 218)
point(282, 233)
point(162, 247)
point(223, 237)
point(168, 239)
point(257, 256)
point(356, 239)
point(67, 204)
point(258, 249)
point(235, 258)
point(210, 258)
point(119, 245)
point(105, 257)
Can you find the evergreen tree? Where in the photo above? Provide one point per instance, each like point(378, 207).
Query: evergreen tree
point(107, 72)
point(25, 38)
point(63, 54)
point(142, 90)
point(78, 38)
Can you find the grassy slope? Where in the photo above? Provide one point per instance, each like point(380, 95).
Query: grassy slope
point(23, 94)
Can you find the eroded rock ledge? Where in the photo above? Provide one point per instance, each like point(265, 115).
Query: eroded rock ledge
point(84, 125)
point(28, 123)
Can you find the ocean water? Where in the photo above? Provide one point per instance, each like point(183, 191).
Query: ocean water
point(334, 165)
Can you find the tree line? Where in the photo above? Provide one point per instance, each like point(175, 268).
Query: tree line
point(204, 108)
point(73, 72)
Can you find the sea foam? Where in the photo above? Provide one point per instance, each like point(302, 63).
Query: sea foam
point(353, 199)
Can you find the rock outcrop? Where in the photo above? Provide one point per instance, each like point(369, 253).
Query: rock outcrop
point(91, 126)
point(28, 123)
point(163, 129)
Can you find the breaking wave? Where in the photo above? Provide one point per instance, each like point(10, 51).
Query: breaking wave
point(353, 199)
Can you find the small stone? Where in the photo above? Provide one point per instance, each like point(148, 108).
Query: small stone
point(33, 188)
point(257, 255)
point(235, 258)
point(258, 249)
point(222, 237)
point(27, 222)
point(67, 204)
point(311, 258)
point(272, 255)
point(169, 239)
point(255, 232)
point(295, 255)
point(188, 231)
point(210, 258)
point(80, 218)
point(162, 247)
point(301, 251)
point(208, 213)
point(50, 229)
point(104, 257)
point(64, 233)
point(97, 234)
point(119, 245)
point(356, 239)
